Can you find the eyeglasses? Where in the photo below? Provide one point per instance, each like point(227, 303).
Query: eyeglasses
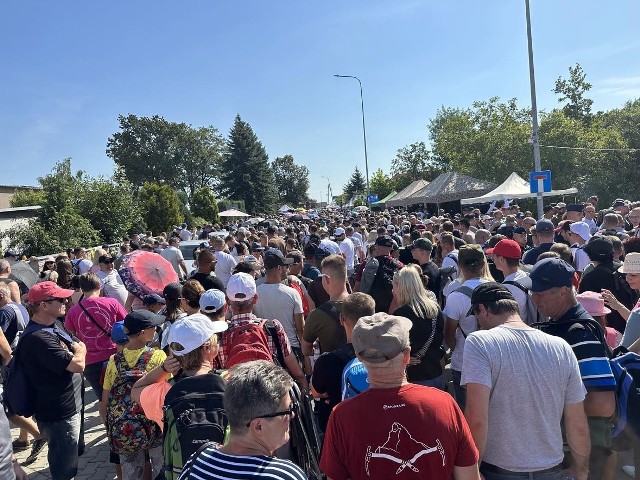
point(61, 300)
point(108, 261)
point(290, 412)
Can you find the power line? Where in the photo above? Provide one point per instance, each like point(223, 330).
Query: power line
point(594, 149)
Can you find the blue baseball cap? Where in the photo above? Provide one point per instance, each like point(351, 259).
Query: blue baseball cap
point(117, 334)
point(551, 273)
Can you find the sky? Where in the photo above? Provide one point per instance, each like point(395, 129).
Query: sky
point(69, 69)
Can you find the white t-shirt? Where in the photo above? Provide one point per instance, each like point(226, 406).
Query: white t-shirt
point(348, 249)
point(457, 307)
point(580, 258)
point(521, 297)
point(112, 286)
point(185, 235)
point(84, 265)
point(447, 261)
point(174, 256)
point(280, 302)
point(224, 267)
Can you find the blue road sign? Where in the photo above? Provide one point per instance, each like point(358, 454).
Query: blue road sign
point(372, 198)
point(540, 181)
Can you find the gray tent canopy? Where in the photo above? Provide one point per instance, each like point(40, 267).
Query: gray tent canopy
point(450, 187)
point(399, 199)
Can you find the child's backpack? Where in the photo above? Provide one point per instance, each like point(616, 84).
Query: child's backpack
point(193, 416)
point(246, 342)
point(128, 429)
point(355, 379)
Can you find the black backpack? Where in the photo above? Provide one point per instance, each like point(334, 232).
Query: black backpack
point(194, 415)
point(382, 284)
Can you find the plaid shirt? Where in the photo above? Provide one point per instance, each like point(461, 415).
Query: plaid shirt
point(245, 318)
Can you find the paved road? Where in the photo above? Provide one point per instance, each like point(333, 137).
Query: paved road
point(94, 464)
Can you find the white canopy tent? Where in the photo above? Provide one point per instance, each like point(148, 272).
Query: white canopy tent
point(285, 208)
point(513, 187)
point(232, 213)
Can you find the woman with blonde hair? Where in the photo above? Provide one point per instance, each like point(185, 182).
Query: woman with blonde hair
point(427, 333)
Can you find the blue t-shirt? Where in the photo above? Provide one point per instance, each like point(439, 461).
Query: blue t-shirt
point(13, 319)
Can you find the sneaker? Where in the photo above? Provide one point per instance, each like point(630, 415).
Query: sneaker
point(38, 445)
point(629, 470)
point(19, 445)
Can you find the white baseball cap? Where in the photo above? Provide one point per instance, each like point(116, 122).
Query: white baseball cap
point(338, 232)
point(241, 287)
point(582, 229)
point(193, 331)
point(212, 300)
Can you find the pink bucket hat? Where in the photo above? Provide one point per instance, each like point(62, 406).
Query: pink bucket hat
point(593, 303)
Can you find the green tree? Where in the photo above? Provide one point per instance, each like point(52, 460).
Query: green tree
point(356, 184)
point(488, 141)
point(246, 172)
point(27, 198)
point(203, 204)
point(380, 184)
point(414, 162)
point(572, 92)
point(110, 207)
point(160, 206)
point(152, 149)
point(292, 180)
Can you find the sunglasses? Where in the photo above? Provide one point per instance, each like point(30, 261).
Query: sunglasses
point(290, 411)
point(61, 300)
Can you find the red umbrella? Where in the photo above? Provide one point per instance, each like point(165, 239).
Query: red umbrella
point(144, 273)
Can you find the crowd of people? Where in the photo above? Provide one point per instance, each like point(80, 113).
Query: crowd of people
point(445, 346)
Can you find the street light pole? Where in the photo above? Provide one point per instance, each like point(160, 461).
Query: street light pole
point(534, 109)
point(364, 130)
point(328, 187)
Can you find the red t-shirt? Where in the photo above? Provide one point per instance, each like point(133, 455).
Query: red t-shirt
point(410, 432)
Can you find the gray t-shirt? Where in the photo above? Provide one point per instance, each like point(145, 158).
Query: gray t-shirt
point(6, 452)
point(532, 376)
point(276, 300)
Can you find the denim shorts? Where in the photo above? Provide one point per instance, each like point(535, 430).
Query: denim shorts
point(62, 437)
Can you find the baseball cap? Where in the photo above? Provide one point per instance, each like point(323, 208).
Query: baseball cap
point(310, 249)
point(599, 247)
point(105, 258)
point(631, 263)
point(506, 248)
point(551, 273)
point(391, 228)
point(192, 332)
point(241, 287)
point(338, 232)
point(547, 208)
point(520, 230)
point(172, 291)
point(44, 290)
point(575, 207)
point(470, 254)
point(422, 244)
point(489, 292)
point(544, 226)
point(274, 258)
point(321, 253)
point(380, 337)
point(330, 246)
point(384, 241)
point(251, 259)
point(212, 300)
point(117, 334)
point(152, 299)
point(256, 247)
point(561, 205)
point(10, 253)
point(618, 202)
point(139, 320)
point(510, 219)
point(582, 229)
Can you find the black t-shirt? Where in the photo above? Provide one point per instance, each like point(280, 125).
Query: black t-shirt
point(419, 335)
point(208, 281)
point(45, 359)
point(531, 257)
point(327, 378)
point(431, 270)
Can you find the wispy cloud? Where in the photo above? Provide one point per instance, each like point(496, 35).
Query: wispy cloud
point(620, 86)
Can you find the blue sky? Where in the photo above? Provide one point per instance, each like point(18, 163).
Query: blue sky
point(70, 68)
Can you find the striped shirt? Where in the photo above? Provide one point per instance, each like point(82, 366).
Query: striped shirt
point(592, 356)
point(213, 464)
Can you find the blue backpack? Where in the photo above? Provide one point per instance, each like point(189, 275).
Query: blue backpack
point(19, 392)
point(626, 370)
point(355, 379)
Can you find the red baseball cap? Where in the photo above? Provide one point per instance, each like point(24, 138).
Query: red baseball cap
point(506, 248)
point(44, 290)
